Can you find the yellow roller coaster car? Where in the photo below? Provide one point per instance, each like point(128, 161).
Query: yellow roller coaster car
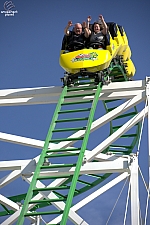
point(97, 63)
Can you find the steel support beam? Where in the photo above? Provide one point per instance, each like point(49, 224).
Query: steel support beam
point(134, 190)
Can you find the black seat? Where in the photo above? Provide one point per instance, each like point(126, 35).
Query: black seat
point(112, 27)
point(107, 39)
point(64, 42)
point(121, 29)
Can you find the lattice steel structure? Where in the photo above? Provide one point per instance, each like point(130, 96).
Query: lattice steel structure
point(110, 156)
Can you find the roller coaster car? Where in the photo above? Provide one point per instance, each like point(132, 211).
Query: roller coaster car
point(99, 64)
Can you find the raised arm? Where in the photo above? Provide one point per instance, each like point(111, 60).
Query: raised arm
point(86, 27)
point(66, 31)
point(105, 29)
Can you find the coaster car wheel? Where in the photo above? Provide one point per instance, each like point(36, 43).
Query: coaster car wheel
point(67, 81)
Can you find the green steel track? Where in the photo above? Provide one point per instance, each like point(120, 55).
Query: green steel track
point(68, 105)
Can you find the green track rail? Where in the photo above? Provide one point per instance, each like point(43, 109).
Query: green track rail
point(66, 114)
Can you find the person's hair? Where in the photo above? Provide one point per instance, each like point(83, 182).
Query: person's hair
point(77, 24)
point(100, 25)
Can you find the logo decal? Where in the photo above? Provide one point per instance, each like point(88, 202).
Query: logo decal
point(8, 6)
point(82, 57)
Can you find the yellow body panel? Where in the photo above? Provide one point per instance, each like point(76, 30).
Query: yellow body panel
point(126, 54)
point(125, 39)
point(130, 68)
point(123, 42)
point(88, 59)
point(113, 48)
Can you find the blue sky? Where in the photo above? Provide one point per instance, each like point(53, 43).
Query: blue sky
point(30, 44)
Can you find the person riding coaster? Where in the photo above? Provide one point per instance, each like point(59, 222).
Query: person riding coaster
point(76, 38)
point(81, 56)
point(82, 37)
point(97, 33)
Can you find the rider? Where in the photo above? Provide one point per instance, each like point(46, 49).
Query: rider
point(77, 37)
point(97, 35)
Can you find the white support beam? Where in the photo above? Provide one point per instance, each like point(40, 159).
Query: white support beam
point(148, 103)
point(55, 90)
point(125, 86)
point(13, 218)
point(21, 140)
point(119, 95)
point(46, 95)
point(117, 166)
point(13, 165)
point(8, 203)
point(122, 130)
point(30, 92)
point(54, 99)
point(9, 178)
point(134, 190)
